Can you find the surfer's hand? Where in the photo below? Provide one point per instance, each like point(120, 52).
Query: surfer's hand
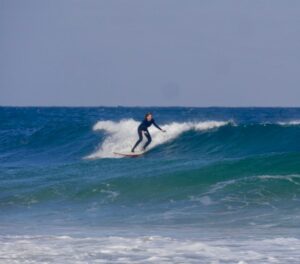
point(164, 131)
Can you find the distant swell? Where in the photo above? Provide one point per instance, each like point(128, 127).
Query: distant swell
point(290, 123)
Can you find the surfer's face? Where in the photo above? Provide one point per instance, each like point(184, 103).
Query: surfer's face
point(149, 117)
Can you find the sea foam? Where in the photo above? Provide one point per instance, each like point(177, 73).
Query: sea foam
point(146, 249)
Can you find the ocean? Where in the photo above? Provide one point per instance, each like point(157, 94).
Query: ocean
point(222, 185)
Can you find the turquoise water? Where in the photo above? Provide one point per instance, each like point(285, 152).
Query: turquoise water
point(223, 180)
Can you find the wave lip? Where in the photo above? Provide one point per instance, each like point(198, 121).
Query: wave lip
point(122, 135)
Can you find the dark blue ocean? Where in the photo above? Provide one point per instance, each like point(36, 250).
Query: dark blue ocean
point(222, 185)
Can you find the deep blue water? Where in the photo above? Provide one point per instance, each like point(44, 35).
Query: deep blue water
point(224, 169)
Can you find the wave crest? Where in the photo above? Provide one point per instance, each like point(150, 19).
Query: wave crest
point(290, 123)
point(122, 135)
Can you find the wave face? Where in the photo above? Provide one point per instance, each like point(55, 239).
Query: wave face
point(213, 167)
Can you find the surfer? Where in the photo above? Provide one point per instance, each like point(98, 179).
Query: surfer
point(143, 128)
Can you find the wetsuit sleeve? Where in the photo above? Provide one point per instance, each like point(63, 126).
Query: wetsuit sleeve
point(156, 125)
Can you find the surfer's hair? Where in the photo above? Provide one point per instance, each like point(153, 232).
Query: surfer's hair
point(146, 115)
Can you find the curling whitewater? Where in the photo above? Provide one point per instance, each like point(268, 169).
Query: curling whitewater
point(221, 186)
point(121, 135)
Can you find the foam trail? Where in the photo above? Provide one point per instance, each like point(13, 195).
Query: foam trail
point(122, 135)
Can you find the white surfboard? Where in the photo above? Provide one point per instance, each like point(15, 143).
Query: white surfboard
point(130, 154)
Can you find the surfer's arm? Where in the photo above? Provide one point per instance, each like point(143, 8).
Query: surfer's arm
point(157, 126)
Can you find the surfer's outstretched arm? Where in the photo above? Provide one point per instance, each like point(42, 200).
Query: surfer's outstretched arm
point(157, 126)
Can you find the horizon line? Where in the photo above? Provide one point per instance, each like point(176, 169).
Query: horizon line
point(138, 106)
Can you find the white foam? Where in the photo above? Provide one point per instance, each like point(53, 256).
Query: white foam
point(289, 177)
point(205, 200)
point(290, 123)
point(122, 135)
point(146, 249)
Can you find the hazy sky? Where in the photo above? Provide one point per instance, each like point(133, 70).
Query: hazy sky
point(155, 52)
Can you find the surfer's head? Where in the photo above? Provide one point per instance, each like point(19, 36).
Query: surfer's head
point(148, 116)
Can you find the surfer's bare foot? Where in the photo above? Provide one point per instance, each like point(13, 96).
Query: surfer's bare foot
point(132, 150)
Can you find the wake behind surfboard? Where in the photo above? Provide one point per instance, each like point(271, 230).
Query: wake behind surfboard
point(130, 154)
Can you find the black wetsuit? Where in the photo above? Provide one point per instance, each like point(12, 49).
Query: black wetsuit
point(143, 127)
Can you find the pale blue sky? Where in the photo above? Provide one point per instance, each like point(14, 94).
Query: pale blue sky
point(158, 52)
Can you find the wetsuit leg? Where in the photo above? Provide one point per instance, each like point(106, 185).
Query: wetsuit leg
point(139, 140)
point(148, 136)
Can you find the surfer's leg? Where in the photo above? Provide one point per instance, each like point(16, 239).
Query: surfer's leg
point(139, 140)
point(149, 139)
